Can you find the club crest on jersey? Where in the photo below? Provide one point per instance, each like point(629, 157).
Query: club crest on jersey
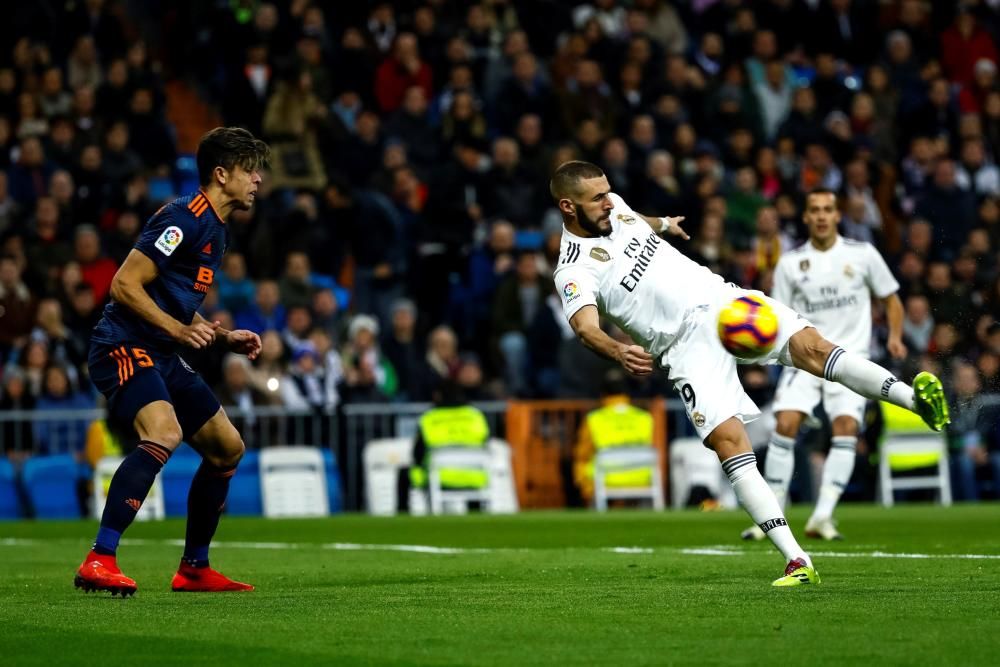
point(804, 265)
point(848, 271)
point(600, 254)
point(571, 291)
point(627, 219)
point(169, 240)
point(698, 419)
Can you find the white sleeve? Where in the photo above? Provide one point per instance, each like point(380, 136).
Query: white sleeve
point(878, 276)
point(577, 286)
point(782, 290)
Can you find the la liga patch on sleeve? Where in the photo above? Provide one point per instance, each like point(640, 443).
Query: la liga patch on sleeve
point(169, 240)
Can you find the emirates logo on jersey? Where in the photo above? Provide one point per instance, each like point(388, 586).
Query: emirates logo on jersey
point(643, 254)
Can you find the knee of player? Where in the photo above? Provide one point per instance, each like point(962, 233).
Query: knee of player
point(231, 452)
point(844, 425)
point(809, 349)
point(167, 434)
point(729, 439)
point(787, 423)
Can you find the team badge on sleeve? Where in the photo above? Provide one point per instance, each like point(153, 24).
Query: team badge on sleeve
point(169, 240)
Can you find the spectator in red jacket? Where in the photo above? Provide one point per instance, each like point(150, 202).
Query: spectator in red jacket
point(972, 98)
point(402, 69)
point(963, 44)
point(97, 270)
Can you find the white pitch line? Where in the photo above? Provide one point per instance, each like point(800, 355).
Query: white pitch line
point(715, 550)
point(410, 548)
point(846, 554)
point(886, 554)
point(711, 552)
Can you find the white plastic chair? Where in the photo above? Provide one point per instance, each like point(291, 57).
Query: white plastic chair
point(621, 459)
point(467, 458)
point(152, 508)
point(896, 447)
point(693, 464)
point(293, 482)
point(383, 459)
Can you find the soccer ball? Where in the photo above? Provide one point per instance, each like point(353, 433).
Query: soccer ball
point(748, 327)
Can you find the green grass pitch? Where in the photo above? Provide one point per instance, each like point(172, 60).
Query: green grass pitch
point(540, 588)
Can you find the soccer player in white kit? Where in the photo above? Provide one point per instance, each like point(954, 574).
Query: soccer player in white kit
point(830, 280)
point(612, 261)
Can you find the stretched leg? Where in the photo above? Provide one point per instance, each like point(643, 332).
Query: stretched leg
point(780, 462)
point(811, 352)
point(159, 435)
point(221, 448)
point(732, 446)
point(837, 473)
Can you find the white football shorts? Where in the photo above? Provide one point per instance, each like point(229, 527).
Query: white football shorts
point(704, 374)
point(799, 391)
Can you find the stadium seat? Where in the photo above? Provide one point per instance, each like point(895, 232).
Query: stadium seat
point(333, 488)
point(293, 482)
point(384, 459)
point(176, 477)
point(10, 502)
point(692, 464)
point(186, 173)
point(51, 485)
point(903, 453)
point(244, 490)
point(627, 458)
point(460, 458)
point(528, 239)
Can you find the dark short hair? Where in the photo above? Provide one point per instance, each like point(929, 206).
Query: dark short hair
point(567, 177)
point(821, 191)
point(614, 383)
point(228, 147)
point(448, 393)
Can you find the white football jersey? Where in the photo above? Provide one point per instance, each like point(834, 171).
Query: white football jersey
point(833, 288)
point(635, 278)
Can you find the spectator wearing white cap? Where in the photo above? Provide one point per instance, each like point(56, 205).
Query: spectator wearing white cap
point(368, 375)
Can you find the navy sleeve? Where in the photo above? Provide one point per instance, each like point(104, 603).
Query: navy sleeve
point(164, 235)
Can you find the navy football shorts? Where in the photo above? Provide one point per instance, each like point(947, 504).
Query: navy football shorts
point(131, 377)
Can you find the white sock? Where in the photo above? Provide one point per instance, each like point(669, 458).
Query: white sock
point(836, 474)
point(759, 502)
point(779, 465)
point(867, 378)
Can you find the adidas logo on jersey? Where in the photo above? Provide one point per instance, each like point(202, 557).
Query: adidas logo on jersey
point(572, 253)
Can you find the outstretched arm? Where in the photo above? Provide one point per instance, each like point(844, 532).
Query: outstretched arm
point(671, 226)
point(634, 359)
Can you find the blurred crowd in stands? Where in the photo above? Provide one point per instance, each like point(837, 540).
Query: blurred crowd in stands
point(404, 232)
